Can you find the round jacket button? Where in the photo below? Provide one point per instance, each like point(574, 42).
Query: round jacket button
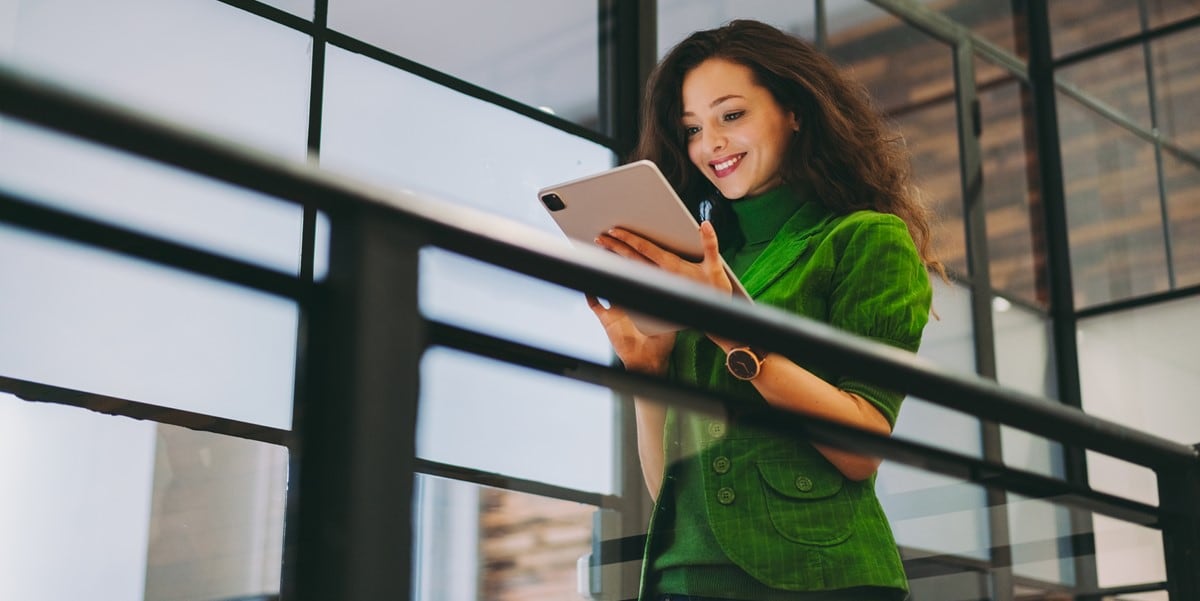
point(725, 495)
point(803, 483)
point(720, 465)
point(716, 429)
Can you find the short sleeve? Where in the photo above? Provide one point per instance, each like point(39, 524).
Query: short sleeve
point(881, 291)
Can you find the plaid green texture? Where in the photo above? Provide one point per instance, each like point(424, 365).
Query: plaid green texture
point(793, 522)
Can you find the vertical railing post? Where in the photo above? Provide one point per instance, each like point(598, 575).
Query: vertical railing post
point(1179, 502)
point(356, 443)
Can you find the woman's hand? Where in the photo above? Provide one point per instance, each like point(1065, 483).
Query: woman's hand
point(639, 352)
point(709, 271)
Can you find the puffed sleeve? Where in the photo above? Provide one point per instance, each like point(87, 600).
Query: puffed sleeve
point(881, 291)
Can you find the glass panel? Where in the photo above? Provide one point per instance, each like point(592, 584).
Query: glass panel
point(216, 516)
point(1164, 12)
point(204, 64)
point(899, 65)
point(1146, 354)
point(143, 195)
point(932, 135)
point(1040, 533)
point(909, 495)
point(1129, 554)
point(1116, 81)
point(1025, 358)
point(402, 132)
point(127, 509)
point(551, 60)
point(1016, 240)
point(679, 18)
point(1025, 361)
point(300, 8)
point(84, 502)
point(1176, 75)
point(1113, 208)
point(93, 321)
point(1085, 23)
point(1182, 181)
point(988, 19)
point(475, 542)
point(500, 418)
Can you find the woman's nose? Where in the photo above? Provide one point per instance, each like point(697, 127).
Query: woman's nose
point(715, 142)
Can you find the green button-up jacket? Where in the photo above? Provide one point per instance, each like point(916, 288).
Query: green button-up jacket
point(777, 507)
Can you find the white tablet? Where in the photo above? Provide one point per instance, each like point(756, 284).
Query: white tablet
point(635, 197)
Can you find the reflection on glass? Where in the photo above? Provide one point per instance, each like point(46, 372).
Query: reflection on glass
point(203, 64)
point(143, 195)
point(1182, 182)
point(990, 20)
point(932, 136)
point(92, 321)
point(1165, 12)
point(475, 542)
point(116, 508)
point(1115, 81)
point(1025, 361)
point(1016, 246)
point(216, 516)
point(1040, 538)
point(549, 59)
point(1145, 354)
point(510, 420)
point(900, 65)
point(1113, 208)
point(1176, 70)
point(1085, 23)
point(403, 132)
point(679, 18)
point(909, 495)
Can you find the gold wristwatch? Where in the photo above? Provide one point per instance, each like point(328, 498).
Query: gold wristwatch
point(745, 362)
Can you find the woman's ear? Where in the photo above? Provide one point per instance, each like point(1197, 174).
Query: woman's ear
point(795, 122)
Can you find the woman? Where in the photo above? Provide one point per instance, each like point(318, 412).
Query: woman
point(817, 216)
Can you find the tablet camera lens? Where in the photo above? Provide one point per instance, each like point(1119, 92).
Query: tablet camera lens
point(553, 202)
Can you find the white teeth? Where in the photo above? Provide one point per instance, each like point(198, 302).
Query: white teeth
point(727, 164)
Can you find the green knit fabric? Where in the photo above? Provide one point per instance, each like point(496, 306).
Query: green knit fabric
point(776, 520)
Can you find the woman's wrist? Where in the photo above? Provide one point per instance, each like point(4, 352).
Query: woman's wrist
point(648, 368)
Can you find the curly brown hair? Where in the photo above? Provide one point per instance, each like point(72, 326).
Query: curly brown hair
point(844, 150)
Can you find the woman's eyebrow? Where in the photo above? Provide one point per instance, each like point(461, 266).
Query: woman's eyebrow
point(714, 103)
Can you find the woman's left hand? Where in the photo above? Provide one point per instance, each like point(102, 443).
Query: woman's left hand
point(710, 270)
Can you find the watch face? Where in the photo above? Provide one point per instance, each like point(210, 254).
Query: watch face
point(742, 364)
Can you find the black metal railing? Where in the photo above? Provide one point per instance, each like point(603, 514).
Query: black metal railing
point(349, 531)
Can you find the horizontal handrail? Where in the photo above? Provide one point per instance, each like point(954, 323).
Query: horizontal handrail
point(29, 215)
point(526, 250)
point(787, 423)
point(116, 406)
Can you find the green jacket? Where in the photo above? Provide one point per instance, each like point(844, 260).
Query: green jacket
point(777, 507)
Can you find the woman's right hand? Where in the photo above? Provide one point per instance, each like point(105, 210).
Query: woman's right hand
point(639, 352)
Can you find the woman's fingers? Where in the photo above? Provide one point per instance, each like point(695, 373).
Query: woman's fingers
point(714, 267)
point(629, 244)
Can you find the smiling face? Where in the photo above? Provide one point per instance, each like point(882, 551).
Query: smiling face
point(737, 133)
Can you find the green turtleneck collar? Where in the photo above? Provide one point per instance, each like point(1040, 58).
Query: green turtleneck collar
point(760, 217)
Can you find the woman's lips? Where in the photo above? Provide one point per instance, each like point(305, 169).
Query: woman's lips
point(726, 166)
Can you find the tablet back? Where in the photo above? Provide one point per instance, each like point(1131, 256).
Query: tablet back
point(635, 197)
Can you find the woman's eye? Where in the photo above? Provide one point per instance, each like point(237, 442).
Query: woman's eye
point(734, 115)
point(691, 131)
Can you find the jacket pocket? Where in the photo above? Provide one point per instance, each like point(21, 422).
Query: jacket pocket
point(807, 505)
